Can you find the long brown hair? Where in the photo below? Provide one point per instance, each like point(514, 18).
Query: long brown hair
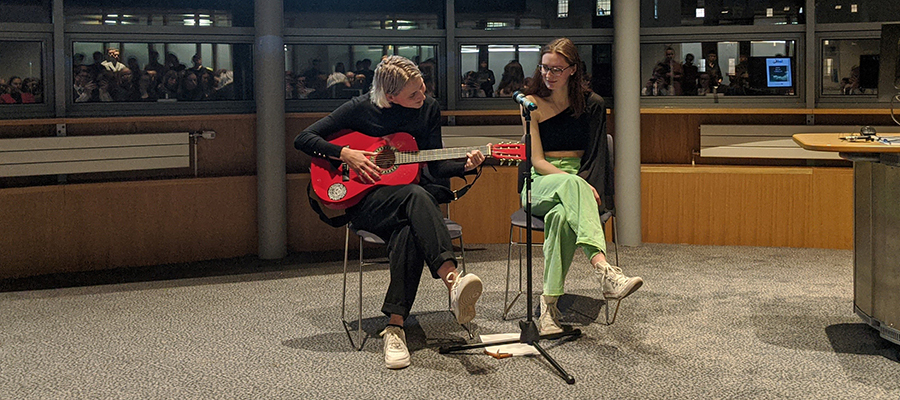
point(565, 48)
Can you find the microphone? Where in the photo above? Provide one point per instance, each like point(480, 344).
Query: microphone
point(521, 99)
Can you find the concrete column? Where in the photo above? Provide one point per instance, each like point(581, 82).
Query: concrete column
point(268, 74)
point(60, 64)
point(452, 52)
point(627, 79)
point(810, 55)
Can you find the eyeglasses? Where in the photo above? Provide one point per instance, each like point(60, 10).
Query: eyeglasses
point(554, 71)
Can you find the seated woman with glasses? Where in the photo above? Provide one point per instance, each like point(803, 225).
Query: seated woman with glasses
point(569, 165)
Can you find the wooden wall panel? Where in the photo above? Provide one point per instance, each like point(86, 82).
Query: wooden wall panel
point(831, 208)
point(30, 239)
point(669, 139)
point(107, 225)
point(756, 206)
point(81, 227)
point(484, 211)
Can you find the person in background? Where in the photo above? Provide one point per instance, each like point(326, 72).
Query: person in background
point(153, 64)
point(713, 72)
point(224, 85)
point(16, 95)
point(34, 87)
point(512, 80)
point(691, 76)
point(484, 78)
point(112, 62)
point(84, 85)
point(671, 71)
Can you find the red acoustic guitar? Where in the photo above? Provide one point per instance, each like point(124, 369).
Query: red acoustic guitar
point(398, 157)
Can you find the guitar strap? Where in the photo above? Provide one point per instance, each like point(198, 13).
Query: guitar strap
point(459, 193)
point(344, 219)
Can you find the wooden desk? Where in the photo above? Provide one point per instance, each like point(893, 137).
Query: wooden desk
point(833, 142)
point(876, 227)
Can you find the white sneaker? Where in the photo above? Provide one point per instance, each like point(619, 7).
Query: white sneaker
point(615, 285)
point(396, 355)
point(549, 321)
point(463, 295)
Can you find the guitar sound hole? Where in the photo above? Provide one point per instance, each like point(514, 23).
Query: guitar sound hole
point(385, 159)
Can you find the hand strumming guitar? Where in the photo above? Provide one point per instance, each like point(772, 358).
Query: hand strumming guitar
point(360, 162)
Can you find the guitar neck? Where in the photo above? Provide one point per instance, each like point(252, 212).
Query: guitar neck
point(409, 157)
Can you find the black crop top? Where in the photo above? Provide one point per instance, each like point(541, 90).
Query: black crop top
point(562, 132)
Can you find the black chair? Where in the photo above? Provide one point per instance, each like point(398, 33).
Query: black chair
point(518, 223)
point(369, 237)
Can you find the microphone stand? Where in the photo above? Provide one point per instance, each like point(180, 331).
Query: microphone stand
point(530, 334)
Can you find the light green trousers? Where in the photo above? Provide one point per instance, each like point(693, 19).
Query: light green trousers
point(571, 219)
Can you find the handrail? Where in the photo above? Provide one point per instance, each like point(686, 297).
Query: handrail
point(509, 112)
point(95, 120)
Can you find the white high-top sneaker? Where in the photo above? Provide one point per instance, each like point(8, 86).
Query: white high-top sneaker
point(549, 320)
point(615, 285)
point(396, 355)
point(464, 293)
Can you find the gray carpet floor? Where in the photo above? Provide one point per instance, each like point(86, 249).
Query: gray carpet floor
point(710, 322)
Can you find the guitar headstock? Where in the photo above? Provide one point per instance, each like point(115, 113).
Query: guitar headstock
point(508, 151)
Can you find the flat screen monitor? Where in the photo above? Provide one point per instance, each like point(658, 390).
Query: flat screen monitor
point(778, 72)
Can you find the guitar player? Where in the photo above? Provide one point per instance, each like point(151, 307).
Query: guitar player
point(408, 216)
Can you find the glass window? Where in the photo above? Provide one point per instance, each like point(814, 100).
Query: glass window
point(403, 15)
point(850, 66)
point(835, 11)
point(745, 68)
point(21, 78)
point(218, 13)
point(345, 71)
point(493, 15)
point(27, 11)
point(161, 72)
point(671, 13)
point(516, 65)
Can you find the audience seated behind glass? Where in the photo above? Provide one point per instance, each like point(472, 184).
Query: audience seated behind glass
point(171, 81)
point(16, 90)
point(470, 87)
point(314, 83)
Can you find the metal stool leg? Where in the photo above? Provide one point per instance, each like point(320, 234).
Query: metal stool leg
point(618, 302)
point(359, 333)
point(507, 304)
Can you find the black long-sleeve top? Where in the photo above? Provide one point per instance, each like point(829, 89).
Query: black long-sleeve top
point(359, 114)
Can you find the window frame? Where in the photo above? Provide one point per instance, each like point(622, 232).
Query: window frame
point(795, 33)
point(871, 30)
point(581, 37)
point(74, 109)
point(353, 37)
point(17, 32)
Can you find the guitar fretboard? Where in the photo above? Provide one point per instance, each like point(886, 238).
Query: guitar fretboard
point(409, 157)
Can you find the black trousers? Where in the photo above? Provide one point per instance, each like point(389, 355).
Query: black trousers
point(409, 218)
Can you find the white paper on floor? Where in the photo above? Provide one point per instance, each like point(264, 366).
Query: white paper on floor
point(513, 349)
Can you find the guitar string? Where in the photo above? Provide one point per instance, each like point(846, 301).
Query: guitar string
point(408, 157)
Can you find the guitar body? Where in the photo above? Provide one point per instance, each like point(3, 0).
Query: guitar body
point(398, 158)
point(339, 189)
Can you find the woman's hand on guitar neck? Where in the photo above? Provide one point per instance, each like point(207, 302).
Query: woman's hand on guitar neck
point(474, 159)
point(359, 161)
